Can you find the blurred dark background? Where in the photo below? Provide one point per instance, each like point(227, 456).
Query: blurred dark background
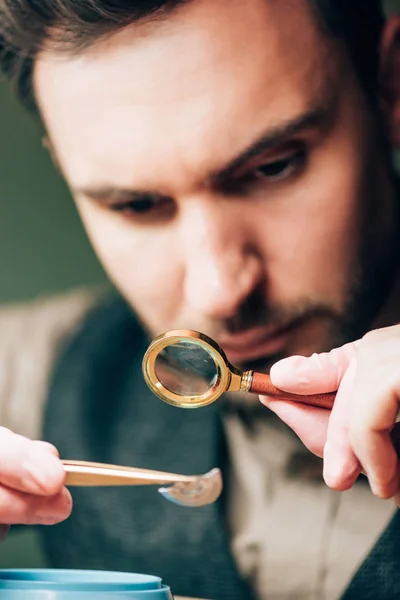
point(43, 248)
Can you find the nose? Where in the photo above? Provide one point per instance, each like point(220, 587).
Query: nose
point(222, 267)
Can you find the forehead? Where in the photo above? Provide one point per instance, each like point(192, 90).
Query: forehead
point(204, 78)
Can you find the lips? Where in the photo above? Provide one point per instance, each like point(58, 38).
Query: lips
point(253, 344)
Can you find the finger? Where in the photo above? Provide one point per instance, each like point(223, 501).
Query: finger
point(371, 420)
point(316, 374)
point(309, 423)
point(46, 446)
point(29, 466)
point(25, 509)
point(341, 466)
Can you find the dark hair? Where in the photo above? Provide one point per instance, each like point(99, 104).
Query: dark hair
point(26, 26)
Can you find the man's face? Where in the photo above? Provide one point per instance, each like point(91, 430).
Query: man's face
point(228, 171)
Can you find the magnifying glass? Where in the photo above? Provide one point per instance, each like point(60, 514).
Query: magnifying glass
point(188, 369)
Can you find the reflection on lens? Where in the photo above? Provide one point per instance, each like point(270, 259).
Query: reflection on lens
point(186, 369)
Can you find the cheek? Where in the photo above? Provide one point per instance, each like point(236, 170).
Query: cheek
point(312, 236)
point(142, 264)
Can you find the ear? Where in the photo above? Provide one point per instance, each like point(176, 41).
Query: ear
point(390, 78)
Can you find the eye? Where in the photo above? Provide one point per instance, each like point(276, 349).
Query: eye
point(146, 207)
point(135, 206)
point(280, 169)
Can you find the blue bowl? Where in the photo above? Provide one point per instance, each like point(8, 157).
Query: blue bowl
point(60, 584)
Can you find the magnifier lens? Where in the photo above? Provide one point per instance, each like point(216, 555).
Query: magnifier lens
point(186, 369)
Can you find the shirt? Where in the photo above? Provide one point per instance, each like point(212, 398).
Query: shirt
point(291, 536)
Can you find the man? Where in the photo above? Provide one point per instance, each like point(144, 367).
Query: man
point(231, 162)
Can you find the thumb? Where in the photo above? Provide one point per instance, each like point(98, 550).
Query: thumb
point(317, 374)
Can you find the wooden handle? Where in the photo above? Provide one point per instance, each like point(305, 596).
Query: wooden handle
point(262, 384)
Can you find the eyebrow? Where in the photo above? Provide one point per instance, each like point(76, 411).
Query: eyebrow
point(108, 195)
point(272, 138)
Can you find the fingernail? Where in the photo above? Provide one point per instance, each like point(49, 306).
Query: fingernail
point(54, 510)
point(333, 466)
point(340, 468)
point(67, 498)
point(284, 371)
point(265, 400)
point(383, 491)
point(375, 487)
point(40, 517)
point(49, 520)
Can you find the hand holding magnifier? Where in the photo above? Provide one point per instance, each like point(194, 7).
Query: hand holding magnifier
point(188, 369)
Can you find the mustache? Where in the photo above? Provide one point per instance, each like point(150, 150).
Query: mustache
point(256, 313)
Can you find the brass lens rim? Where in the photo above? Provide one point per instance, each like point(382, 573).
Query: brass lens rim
point(223, 372)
